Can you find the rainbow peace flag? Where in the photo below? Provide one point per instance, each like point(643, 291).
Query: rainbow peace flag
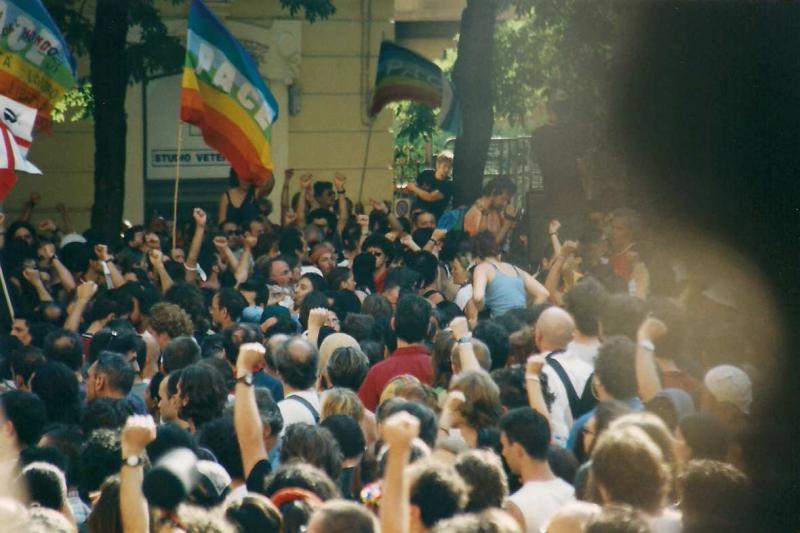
point(36, 66)
point(223, 94)
point(406, 75)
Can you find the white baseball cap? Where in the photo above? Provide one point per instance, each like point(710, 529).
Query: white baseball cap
point(730, 384)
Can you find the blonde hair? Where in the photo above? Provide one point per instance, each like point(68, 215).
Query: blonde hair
point(483, 407)
point(341, 401)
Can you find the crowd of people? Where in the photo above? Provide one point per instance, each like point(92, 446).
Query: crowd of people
point(347, 369)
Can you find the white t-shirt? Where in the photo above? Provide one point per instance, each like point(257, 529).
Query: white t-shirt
point(463, 296)
point(294, 412)
point(578, 371)
point(585, 352)
point(538, 501)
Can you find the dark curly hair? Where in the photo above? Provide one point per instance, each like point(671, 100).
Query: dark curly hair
point(484, 245)
point(205, 393)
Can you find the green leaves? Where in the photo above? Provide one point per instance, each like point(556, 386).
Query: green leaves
point(314, 9)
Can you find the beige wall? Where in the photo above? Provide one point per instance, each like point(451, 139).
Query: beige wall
point(327, 136)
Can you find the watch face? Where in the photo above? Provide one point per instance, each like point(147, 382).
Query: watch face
point(133, 460)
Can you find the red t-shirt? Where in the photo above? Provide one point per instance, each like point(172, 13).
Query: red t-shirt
point(414, 360)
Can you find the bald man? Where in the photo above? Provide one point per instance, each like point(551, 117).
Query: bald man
point(565, 369)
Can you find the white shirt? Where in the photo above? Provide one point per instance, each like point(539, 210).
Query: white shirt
point(294, 412)
point(586, 352)
point(578, 372)
point(463, 296)
point(538, 501)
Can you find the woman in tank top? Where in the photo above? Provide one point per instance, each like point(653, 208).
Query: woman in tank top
point(239, 203)
point(499, 286)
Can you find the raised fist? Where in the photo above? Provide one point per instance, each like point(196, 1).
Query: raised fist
point(400, 430)
point(317, 317)
point(47, 251)
point(220, 242)
point(306, 181)
point(460, 327)
point(139, 431)
point(290, 217)
point(568, 248)
point(454, 400)
point(251, 357)
point(554, 226)
point(363, 220)
point(47, 225)
point(200, 217)
point(155, 257)
point(101, 251)
point(288, 173)
point(250, 241)
point(534, 364)
point(32, 275)
point(86, 291)
point(339, 181)
point(651, 329)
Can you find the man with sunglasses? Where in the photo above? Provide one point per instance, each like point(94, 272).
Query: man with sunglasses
point(379, 247)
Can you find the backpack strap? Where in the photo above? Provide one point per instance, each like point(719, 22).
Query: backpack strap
point(572, 395)
point(305, 403)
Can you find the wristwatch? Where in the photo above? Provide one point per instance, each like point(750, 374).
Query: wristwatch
point(466, 339)
point(245, 379)
point(648, 345)
point(134, 460)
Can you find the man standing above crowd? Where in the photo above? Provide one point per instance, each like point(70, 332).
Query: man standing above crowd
point(434, 188)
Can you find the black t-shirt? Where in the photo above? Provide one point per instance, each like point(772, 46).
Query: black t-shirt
point(427, 181)
point(255, 481)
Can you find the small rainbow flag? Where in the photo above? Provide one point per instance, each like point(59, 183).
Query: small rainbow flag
point(406, 75)
point(36, 66)
point(223, 94)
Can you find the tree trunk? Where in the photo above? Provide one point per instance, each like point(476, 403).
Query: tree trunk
point(109, 76)
point(473, 75)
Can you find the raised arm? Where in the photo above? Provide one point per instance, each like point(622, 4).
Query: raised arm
point(222, 248)
point(479, 282)
point(47, 252)
point(509, 221)
point(109, 268)
point(466, 353)
point(243, 268)
point(554, 275)
point(535, 290)
point(83, 295)
point(246, 420)
point(287, 178)
point(316, 319)
point(27, 207)
point(533, 385)
point(157, 262)
point(139, 431)
point(222, 213)
point(302, 208)
point(646, 369)
point(425, 196)
point(398, 432)
point(552, 232)
point(66, 222)
point(339, 181)
point(34, 277)
point(200, 219)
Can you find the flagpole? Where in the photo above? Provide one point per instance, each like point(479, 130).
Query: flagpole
point(364, 166)
point(6, 295)
point(177, 181)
